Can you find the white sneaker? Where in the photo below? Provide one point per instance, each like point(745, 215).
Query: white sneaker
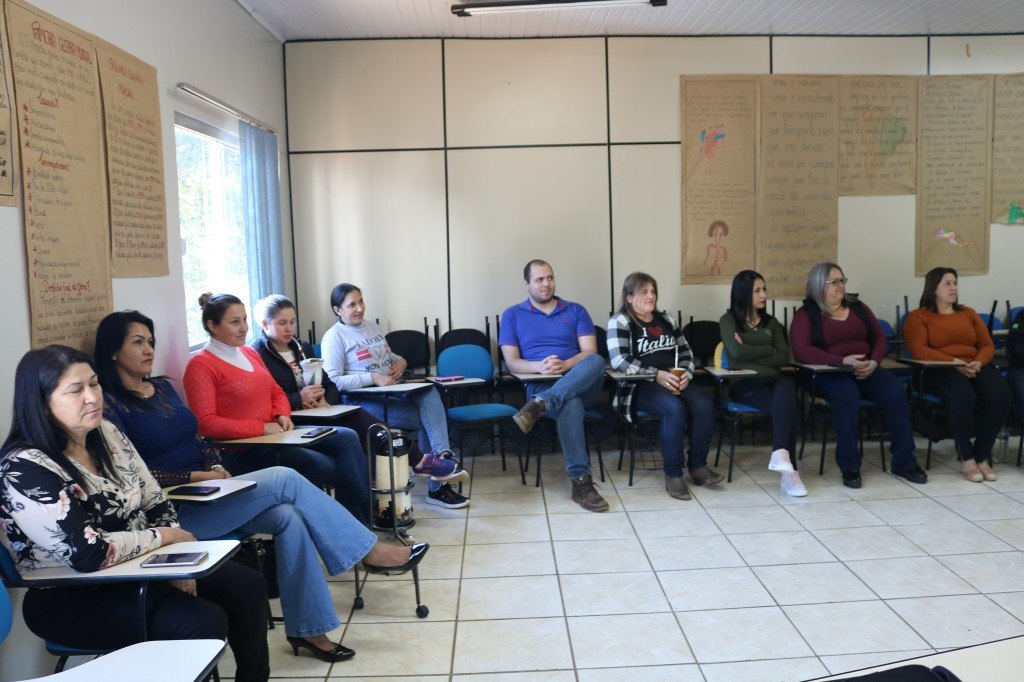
point(780, 461)
point(792, 485)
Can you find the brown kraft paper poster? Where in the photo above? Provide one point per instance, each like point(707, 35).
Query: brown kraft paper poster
point(135, 164)
point(955, 115)
point(56, 89)
point(720, 141)
point(799, 192)
point(1008, 151)
point(877, 135)
point(9, 189)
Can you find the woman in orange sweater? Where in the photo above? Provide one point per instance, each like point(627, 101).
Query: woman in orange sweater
point(976, 395)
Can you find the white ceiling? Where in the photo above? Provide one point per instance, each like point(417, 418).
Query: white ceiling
point(321, 19)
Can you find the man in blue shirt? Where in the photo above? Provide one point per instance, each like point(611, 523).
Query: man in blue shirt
point(548, 335)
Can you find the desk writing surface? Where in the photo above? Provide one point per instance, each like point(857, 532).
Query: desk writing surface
point(998, 661)
point(824, 369)
point(623, 376)
point(931, 363)
point(227, 488)
point(721, 373)
point(393, 388)
point(996, 333)
point(219, 550)
point(458, 382)
point(291, 438)
point(536, 377)
point(177, 660)
point(325, 411)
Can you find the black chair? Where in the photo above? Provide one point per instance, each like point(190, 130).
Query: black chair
point(412, 345)
point(462, 337)
point(703, 337)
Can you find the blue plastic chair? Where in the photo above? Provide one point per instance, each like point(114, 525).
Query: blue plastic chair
point(11, 578)
point(473, 362)
point(733, 413)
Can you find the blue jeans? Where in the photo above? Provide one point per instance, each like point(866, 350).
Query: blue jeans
point(337, 461)
point(885, 391)
point(691, 409)
point(566, 399)
point(307, 526)
point(420, 411)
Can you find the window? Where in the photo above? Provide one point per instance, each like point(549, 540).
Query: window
point(210, 216)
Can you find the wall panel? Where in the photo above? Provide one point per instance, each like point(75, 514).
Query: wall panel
point(643, 77)
point(509, 206)
point(364, 94)
point(375, 220)
point(515, 92)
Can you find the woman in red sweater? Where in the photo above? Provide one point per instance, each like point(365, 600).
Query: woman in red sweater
point(234, 396)
point(942, 329)
point(831, 329)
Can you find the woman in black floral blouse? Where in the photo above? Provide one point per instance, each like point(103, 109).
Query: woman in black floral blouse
point(74, 492)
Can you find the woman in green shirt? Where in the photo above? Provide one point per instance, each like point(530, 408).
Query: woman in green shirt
point(753, 339)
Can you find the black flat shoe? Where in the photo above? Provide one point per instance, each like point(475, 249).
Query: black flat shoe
point(338, 653)
point(914, 474)
point(416, 553)
point(851, 479)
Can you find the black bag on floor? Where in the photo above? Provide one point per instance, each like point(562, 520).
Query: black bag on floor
point(261, 555)
point(909, 673)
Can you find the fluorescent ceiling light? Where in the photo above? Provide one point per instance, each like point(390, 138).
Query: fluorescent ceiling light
point(466, 9)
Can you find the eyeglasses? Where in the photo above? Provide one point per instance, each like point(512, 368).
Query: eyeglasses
point(839, 281)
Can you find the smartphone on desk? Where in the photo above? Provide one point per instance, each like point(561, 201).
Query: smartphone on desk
point(196, 490)
point(175, 559)
point(319, 431)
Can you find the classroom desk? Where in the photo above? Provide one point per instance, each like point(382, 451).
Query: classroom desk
point(1000, 333)
point(528, 378)
point(925, 364)
point(325, 412)
point(227, 488)
point(282, 439)
point(470, 381)
point(998, 661)
point(182, 660)
point(721, 374)
point(130, 571)
point(407, 387)
point(623, 376)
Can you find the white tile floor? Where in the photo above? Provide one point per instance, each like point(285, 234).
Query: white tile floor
point(741, 583)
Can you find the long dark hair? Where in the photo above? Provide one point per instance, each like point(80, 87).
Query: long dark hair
point(32, 427)
point(741, 298)
point(110, 336)
point(632, 284)
point(931, 283)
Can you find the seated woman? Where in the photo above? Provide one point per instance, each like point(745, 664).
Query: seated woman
point(357, 355)
point(643, 340)
point(233, 396)
point(74, 492)
point(831, 329)
point(282, 351)
point(1015, 354)
point(976, 395)
point(755, 340)
point(309, 526)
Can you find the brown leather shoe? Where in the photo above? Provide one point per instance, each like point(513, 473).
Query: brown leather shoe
point(528, 415)
point(676, 487)
point(705, 476)
point(585, 494)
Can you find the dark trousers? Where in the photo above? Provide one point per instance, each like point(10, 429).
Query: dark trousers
point(1015, 377)
point(975, 408)
point(232, 603)
point(692, 410)
point(889, 395)
point(776, 397)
